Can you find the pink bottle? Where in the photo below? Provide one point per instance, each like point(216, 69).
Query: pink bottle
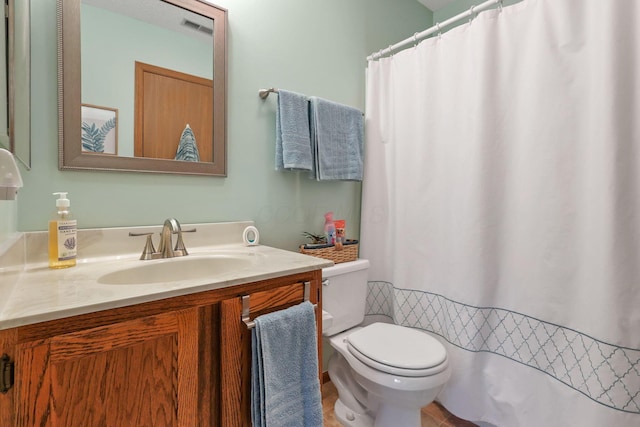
point(329, 228)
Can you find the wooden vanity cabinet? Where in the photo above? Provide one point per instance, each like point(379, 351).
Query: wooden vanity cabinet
point(182, 361)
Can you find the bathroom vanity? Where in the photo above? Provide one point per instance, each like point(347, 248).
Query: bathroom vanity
point(160, 354)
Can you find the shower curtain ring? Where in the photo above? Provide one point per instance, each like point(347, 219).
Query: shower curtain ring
point(500, 4)
point(438, 29)
point(472, 13)
point(415, 39)
point(390, 50)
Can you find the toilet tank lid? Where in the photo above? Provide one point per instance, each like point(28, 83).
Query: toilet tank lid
point(345, 267)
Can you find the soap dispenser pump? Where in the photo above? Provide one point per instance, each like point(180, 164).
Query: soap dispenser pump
point(62, 235)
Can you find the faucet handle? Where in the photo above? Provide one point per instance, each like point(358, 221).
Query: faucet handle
point(180, 248)
point(149, 250)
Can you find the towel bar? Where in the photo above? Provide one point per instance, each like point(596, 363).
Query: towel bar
point(265, 92)
point(246, 306)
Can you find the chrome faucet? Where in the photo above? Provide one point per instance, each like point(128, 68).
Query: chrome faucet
point(166, 248)
point(171, 225)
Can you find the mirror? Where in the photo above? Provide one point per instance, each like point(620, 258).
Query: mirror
point(147, 92)
point(15, 73)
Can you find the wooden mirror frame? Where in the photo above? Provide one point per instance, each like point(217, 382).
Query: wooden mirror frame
point(70, 155)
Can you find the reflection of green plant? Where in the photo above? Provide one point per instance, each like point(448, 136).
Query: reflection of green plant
point(315, 238)
point(93, 137)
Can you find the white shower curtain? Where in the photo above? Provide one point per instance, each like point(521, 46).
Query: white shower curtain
point(501, 208)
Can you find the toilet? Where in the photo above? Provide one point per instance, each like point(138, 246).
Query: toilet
point(384, 373)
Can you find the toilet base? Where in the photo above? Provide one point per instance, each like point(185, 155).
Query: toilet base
point(349, 418)
point(387, 416)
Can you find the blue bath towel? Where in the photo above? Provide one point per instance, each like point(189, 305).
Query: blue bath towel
point(293, 140)
point(285, 390)
point(337, 139)
point(187, 149)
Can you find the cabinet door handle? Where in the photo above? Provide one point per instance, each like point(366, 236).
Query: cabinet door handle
point(6, 373)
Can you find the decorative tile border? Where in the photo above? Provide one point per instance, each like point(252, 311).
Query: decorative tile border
point(606, 373)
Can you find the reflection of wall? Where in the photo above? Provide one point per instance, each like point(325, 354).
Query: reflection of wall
point(314, 47)
point(4, 120)
point(20, 42)
point(111, 44)
point(8, 208)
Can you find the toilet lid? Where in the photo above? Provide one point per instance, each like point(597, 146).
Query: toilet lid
point(394, 349)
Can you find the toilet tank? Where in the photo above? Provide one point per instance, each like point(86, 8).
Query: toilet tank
point(344, 294)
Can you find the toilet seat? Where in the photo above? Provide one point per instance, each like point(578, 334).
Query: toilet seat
point(398, 350)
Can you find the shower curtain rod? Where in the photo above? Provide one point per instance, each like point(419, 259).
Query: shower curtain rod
point(473, 10)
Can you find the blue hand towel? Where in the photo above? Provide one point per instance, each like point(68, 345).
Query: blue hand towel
point(285, 390)
point(293, 141)
point(337, 139)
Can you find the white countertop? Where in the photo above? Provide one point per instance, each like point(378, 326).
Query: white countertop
point(37, 293)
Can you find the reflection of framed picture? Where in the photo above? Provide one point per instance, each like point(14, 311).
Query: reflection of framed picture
point(99, 129)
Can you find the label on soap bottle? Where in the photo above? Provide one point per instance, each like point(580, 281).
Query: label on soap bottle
point(67, 239)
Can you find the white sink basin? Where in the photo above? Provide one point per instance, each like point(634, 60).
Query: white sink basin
point(187, 268)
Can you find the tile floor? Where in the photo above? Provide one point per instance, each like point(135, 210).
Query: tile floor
point(433, 415)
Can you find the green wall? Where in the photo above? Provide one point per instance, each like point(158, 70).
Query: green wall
point(460, 6)
point(313, 47)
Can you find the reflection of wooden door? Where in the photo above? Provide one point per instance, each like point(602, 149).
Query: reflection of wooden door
point(166, 101)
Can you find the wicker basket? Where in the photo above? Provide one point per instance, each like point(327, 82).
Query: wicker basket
point(349, 251)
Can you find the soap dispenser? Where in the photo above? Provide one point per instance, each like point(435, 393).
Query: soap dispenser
point(62, 235)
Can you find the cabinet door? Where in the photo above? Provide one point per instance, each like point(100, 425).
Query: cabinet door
point(236, 341)
point(8, 340)
point(142, 372)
